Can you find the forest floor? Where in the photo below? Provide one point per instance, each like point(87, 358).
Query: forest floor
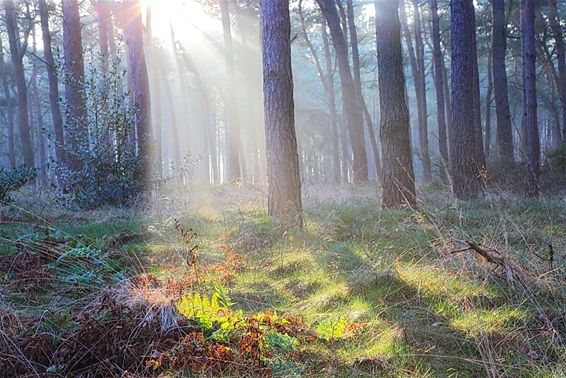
point(445, 289)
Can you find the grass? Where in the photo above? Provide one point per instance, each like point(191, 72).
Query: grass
point(412, 308)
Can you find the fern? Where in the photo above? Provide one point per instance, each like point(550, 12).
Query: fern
point(211, 313)
point(222, 296)
point(330, 329)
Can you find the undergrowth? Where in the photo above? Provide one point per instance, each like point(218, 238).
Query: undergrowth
point(445, 289)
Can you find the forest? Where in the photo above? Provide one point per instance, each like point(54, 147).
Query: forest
point(283, 188)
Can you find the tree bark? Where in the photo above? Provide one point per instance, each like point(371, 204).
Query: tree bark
point(465, 166)
point(9, 109)
point(553, 83)
point(353, 112)
point(284, 198)
point(358, 86)
point(130, 19)
point(439, 89)
point(56, 117)
point(326, 76)
point(233, 127)
point(416, 57)
point(532, 140)
point(154, 67)
point(104, 21)
point(398, 176)
point(77, 127)
point(35, 107)
point(488, 101)
point(504, 129)
point(17, 52)
point(561, 58)
point(176, 153)
point(479, 151)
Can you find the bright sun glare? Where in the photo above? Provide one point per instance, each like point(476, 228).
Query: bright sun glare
point(187, 19)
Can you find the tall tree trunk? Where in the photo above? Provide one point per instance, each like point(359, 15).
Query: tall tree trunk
point(184, 119)
point(448, 98)
point(9, 109)
point(107, 48)
point(532, 140)
point(358, 86)
point(504, 129)
point(36, 108)
point(398, 177)
point(479, 151)
point(283, 161)
point(77, 127)
point(561, 58)
point(17, 52)
point(439, 81)
point(326, 76)
point(553, 82)
point(233, 127)
point(210, 149)
point(416, 57)
point(131, 21)
point(56, 116)
point(331, 98)
point(488, 101)
point(353, 112)
point(154, 66)
point(176, 153)
point(466, 168)
point(212, 143)
point(421, 92)
point(104, 21)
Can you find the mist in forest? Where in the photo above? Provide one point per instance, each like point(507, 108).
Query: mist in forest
point(286, 188)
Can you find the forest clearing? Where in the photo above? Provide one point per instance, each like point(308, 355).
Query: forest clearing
point(282, 188)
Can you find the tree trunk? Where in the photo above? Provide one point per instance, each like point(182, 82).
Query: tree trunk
point(212, 142)
point(331, 98)
point(131, 22)
point(488, 101)
point(77, 127)
point(398, 177)
point(448, 98)
point(504, 129)
point(326, 76)
point(532, 140)
point(35, 107)
point(233, 127)
point(553, 82)
point(466, 168)
point(358, 86)
point(561, 58)
point(9, 109)
point(479, 151)
point(421, 92)
point(154, 67)
point(439, 89)
point(284, 183)
point(353, 112)
point(416, 57)
point(209, 134)
point(17, 52)
point(176, 153)
point(56, 116)
point(104, 21)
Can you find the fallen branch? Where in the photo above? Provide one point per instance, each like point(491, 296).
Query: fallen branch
point(514, 272)
point(511, 268)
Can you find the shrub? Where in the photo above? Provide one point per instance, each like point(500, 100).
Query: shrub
point(13, 179)
point(553, 175)
point(111, 170)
